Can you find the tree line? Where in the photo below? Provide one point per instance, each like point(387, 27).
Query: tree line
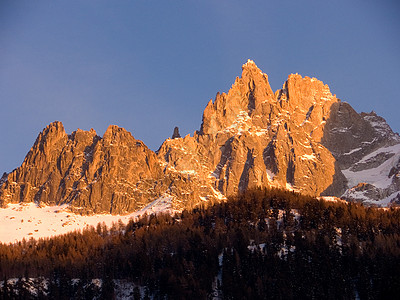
point(261, 244)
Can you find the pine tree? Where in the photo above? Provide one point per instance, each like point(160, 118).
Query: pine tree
point(136, 293)
point(146, 294)
point(107, 288)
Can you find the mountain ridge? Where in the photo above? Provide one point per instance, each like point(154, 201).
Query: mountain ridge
point(300, 138)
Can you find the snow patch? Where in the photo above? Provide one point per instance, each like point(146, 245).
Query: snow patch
point(270, 175)
point(289, 186)
point(385, 201)
point(330, 199)
point(352, 151)
point(218, 194)
point(308, 157)
point(241, 124)
point(29, 220)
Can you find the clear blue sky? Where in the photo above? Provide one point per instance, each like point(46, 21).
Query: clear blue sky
point(151, 65)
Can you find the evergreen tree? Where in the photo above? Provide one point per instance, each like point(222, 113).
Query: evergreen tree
point(136, 293)
point(107, 288)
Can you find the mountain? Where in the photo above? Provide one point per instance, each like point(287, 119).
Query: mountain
point(300, 138)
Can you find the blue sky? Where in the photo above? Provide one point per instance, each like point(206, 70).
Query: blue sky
point(151, 65)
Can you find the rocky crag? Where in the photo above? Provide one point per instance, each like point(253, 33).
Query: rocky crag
point(300, 137)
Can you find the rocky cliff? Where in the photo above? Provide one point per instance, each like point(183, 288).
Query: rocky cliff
point(115, 173)
point(300, 137)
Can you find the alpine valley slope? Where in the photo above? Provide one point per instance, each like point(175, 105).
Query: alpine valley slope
point(300, 138)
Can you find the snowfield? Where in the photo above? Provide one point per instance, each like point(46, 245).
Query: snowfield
point(378, 175)
point(28, 220)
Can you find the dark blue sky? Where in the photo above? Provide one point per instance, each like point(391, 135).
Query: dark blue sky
point(151, 65)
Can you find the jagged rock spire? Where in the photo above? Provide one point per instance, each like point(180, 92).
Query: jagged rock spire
point(246, 96)
point(176, 134)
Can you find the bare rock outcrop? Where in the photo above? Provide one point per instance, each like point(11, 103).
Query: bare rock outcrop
point(176, 133)
point(114, 174)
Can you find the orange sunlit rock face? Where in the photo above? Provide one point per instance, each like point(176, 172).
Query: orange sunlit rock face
point(299, 137)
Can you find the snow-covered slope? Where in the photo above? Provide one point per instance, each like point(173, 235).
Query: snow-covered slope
point(375, 179)
point(28, 220)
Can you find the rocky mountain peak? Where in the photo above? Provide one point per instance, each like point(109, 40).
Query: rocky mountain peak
point(115, 135)
point(51, 133)
point(300, 138)
point(305, 91)
point(250, 69)
point(280, 132)
point(380, 126)
point(176, 133)
point(48, 144)
point(54, 127)
point(249, 64)
point(252, 80)
point(247, 97)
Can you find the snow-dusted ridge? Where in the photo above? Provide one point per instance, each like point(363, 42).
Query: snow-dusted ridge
point(28, 220)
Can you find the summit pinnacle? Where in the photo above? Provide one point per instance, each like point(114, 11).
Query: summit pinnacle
point(176, 134)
